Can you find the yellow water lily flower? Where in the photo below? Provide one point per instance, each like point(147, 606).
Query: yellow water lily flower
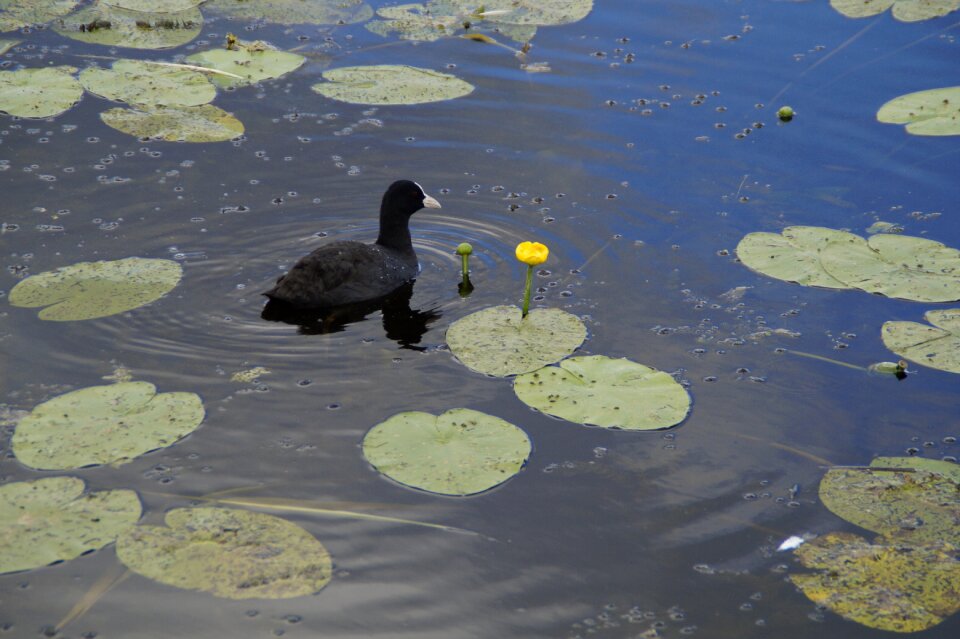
point(532, 253)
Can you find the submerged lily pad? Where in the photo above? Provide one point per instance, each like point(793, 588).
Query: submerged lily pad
point(147, 84)
point(17, 14)
point(931, 112)
point(39, 93)
point(110, 424)
point(204, 123)
point(896, 588)
point(295, 11)
point(236, 554)
point(917, 503)
point(608, 392)
point(111, 26)
point(793, 255)
point(936, 346)
point(390, 84)
point(254, 64)
point(903, 10)
point(88, 290)
point(53, 519)
point(461, 452)
point(499, 341)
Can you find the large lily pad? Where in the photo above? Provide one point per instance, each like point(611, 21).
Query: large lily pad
point(147, 84)
point(236, 554)
point(534, 12)
point(16, 14)
point(903, 10)
point(104, 425)
point(499, 341)
point(111, 26)
point(39, 93)
point(889, 587)
point(295, 11)
point(460, 452)
point(252, 63)
point(936, 346)
point(439, 18)
point(918, 503)
point(608, 392)
point(793, 255)
point(390, 84)
point(52, 519)
point(154, 6)
point(204, 123)
point(931, 112)
point(88, 290)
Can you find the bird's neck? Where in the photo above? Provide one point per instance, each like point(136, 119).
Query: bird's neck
point(395, 234)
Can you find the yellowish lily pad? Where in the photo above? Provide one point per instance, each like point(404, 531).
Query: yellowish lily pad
point(295, 11)
point(146, 84)
point(252, 63)
point(793, 255)
point(107, 25)
point(903, 10)
point(204, 123)
point(17, 14)
point(930, 112)
point(390, 84)
point(936, 345)
point(39, 93)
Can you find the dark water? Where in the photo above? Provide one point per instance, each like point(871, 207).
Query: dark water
point(601, 526)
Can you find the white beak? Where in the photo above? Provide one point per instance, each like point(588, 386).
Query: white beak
point(429, 202)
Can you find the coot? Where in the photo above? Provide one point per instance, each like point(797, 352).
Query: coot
point(347, 272)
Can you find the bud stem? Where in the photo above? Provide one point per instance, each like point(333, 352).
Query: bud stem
point(526, 291)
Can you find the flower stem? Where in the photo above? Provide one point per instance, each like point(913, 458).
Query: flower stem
point(526, 291)
point(463, 265)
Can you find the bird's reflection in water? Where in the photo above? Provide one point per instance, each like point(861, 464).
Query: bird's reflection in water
point(402, 324)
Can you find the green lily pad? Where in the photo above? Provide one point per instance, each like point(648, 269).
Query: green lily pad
point(931, 112)
point(154, 6)
point(461, 452)
point(235, 554)
point(607, 392)
point(390, 84)
point(918, 503)
point(902, 266)
point(793, 255)
point(254, 64)
point(39, 93)
point(534, 12)
point(17, 14)
point(147, 84)
point(204, 123)
point(110, 424)
point(888, 587)
point(499, 341)
point(936, 346)
point(52, 519)
point(88, 290)
point(6, 45)
point(440, 18)
point(111, 26)
point(295, 11)
point(903, 10)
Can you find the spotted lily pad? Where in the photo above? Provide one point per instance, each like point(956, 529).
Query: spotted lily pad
point(235, 554)
point(110, 424)
point(295, 11)
point(903, 10)
point(154, 6)
point(441, 18)
point(533, 12)
point(147, 84)
point(793, 255)
point(608, 392)
point(390, 84)
point(252, 63)
point(107, 25)
point(52, 519)
point(39, 93)
point(931, 112)
point(936, 346)
point(16, 14)
point(460, 452)
point(499, 341)
point(88, 290)
point(204, 123)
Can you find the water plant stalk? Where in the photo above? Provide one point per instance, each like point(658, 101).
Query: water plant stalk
point(526, 291)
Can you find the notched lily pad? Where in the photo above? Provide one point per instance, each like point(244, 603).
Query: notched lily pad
point(52, 519)
point(936, 346)
point(295, 11)
point(793, 255)
point(88, 290)
point(607, 392)
point(903, 10)
point(499, 341)
point(204, 123)
point(39, 93)
point(931, 112)
point(115, 27)
point(390, 84)
point(252, 63)
point(147, 84)
point(460, 452)
point(236, 554)
point(110, 424)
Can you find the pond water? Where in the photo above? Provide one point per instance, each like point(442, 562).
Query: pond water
point(624, 159)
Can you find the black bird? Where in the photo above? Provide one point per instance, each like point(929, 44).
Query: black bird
point(348, 272)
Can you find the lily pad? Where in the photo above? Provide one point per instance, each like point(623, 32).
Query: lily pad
point(931, 112)
point(295, 11)
point(88, 290)
point(918, 503)
point(204, 123)
point(534, 12)
point(110, 424)
point(52, 519)
point(936, 346)
point(903, 10)
point(607, 392)
point(499, 341)
point(17, 14)
point(254, 64)
point(390, 84)
point(889, 587)
point(793, 255)
point(39, 93)
point(6, 45)
point(147, 84)
point(441, 18)
point(111, 26)
point(236, 554)
point(461, 452)
point(154, 6)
